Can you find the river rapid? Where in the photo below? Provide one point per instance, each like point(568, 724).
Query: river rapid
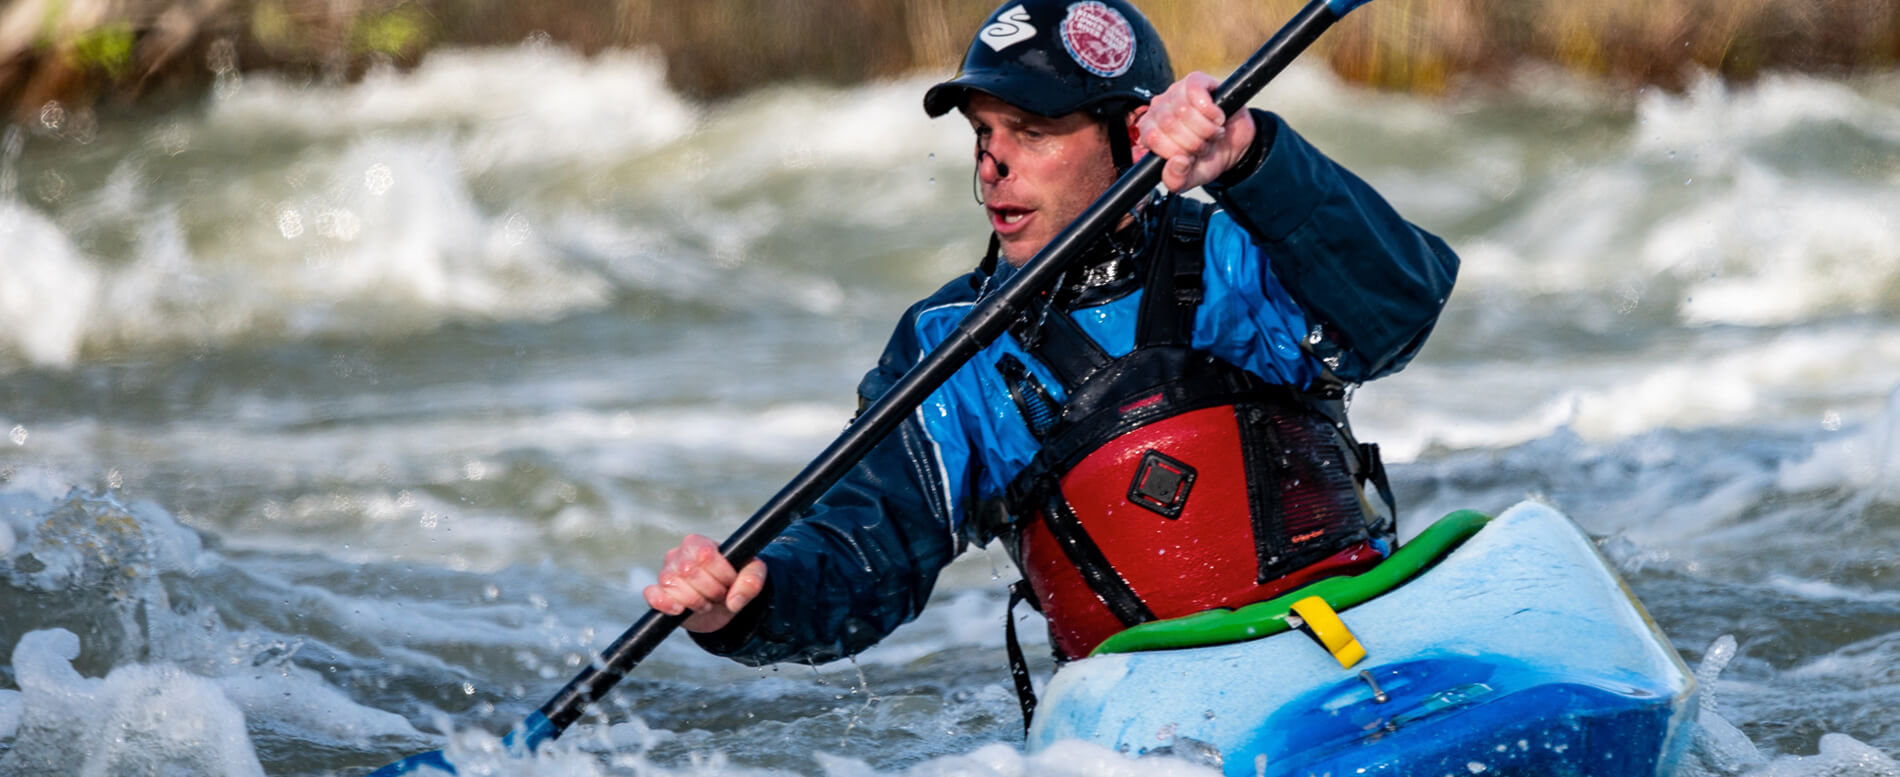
point(341, 422)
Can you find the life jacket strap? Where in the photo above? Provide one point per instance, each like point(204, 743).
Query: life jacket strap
point(1056, 339)
point(1172, 290)
point(1087, 556)
point(1018, 665)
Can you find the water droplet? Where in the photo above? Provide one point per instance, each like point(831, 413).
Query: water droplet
point(290, 223)
point(1475, 767)
point(378, 179)
point(468, 689)
point(18, 435)
point(52, 115)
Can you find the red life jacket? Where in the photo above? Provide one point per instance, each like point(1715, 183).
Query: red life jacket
point(1171, 482)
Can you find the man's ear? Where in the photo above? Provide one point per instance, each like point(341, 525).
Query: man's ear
point(1134, 132)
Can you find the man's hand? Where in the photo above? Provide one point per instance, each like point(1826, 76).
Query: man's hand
point(1184, 126)
point(696, 577)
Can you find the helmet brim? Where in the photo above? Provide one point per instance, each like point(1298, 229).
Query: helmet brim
point(955, 93)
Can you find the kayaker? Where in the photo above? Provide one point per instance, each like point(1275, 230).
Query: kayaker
point(1161, 434)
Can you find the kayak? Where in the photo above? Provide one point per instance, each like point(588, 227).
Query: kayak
point(1503, 646)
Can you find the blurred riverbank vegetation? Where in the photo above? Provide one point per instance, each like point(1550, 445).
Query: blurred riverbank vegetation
point(59, 55)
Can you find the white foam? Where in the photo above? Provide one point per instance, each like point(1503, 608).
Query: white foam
point(1867, 460)
point(1709, 380)
point(578, 755)
point(972, 618)
point(1713, 120)
point(1840, 756)
point(872, 127)
point(394, 233)
point(1769, 248)
point(12, 707)
point(1071, 758)
point(1825, 591)
point(48, 290)
point(387, 238)
point(514, 106)
point(139, 719)
point(1718, 207)
point(297, 702)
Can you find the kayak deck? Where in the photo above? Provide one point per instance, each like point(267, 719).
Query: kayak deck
point(1520, 652)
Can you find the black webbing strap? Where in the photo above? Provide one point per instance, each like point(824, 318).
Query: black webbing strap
point(1019, 666)
point(1373, 471)
point(1187, 227)
point(1097, 572)
point(1068, 351)
point(1257, 449)
point(1173, 288)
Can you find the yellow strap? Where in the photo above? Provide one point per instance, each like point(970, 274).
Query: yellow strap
point(1332, 632)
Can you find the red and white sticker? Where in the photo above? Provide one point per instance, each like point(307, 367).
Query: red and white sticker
point(1099, 38)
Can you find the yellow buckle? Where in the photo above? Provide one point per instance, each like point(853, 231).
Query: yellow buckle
point(1332, 632)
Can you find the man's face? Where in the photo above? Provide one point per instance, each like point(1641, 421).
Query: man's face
point(1036, 173)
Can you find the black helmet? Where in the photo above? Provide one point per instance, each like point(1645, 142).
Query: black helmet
point(1053, 57)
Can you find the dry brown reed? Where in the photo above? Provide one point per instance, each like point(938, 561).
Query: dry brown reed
point(82, 50)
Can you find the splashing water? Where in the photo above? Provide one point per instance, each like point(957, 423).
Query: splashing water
point(346, 422)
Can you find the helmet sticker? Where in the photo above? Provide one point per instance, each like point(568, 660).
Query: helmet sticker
point(1099, 38)
point(1010, 28)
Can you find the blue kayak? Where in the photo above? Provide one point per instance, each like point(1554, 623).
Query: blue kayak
point(1511, 648)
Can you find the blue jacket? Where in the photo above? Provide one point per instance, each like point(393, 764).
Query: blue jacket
point(1299, 248)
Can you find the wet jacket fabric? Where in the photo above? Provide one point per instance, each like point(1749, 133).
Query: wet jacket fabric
point(1299, 249)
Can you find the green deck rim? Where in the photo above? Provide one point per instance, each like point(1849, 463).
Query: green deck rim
point(1263, 619)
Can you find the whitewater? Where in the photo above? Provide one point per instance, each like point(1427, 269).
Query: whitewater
point(340, 422)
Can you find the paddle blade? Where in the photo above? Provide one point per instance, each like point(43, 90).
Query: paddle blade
point(434, 759)
point(520, 743)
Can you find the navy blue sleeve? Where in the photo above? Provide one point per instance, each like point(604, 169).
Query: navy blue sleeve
point(1372, 281)
point(863, 560)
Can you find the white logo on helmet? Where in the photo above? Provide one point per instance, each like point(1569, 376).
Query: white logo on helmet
point(1010, 28)
point(1099, 38)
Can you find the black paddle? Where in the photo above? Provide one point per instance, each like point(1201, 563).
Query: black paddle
point(984, 323)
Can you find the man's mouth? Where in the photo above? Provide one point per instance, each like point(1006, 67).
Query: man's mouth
point(1006, 218)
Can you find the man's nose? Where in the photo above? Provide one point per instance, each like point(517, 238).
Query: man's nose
point(995, 170)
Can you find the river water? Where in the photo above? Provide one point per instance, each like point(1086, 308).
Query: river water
point(346, 421)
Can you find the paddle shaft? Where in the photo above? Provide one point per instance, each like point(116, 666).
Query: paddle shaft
point(980, 327)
